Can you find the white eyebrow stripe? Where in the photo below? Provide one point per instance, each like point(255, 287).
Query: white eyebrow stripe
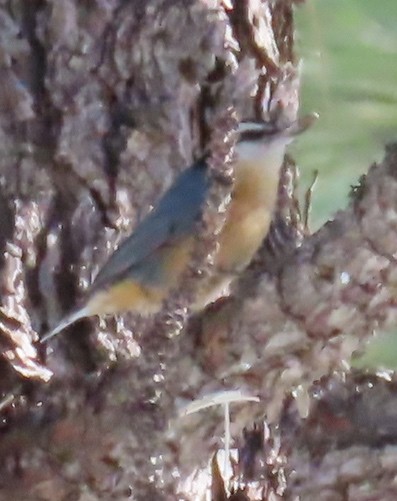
point(251, 126)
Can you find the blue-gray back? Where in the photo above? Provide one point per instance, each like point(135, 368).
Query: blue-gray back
point(175, 217)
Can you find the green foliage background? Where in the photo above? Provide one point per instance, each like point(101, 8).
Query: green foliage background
point(349, 69)
point(349, 76)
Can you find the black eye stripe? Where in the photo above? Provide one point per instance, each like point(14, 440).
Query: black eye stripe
point(256, 135)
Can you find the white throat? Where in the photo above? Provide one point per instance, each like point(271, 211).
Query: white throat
point(268, 155)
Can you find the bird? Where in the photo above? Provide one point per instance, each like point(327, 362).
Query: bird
point(143, 270)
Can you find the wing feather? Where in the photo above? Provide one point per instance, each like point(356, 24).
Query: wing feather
point(174, 217)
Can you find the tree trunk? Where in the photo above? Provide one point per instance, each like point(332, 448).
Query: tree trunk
point(101, 104)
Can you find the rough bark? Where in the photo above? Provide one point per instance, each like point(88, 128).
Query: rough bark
point(101, 103)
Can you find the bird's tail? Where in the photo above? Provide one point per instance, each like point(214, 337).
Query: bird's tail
point(68, 320)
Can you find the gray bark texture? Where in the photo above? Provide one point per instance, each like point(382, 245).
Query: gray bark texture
point(102, 103)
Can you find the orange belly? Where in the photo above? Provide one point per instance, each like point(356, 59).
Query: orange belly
point(241, 239)
point(127, 296)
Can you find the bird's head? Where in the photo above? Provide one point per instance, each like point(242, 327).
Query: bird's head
point(259, 139)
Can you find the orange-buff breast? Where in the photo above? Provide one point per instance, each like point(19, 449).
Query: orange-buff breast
point(249, 216)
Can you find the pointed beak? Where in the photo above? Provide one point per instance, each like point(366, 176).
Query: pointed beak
point(301, 124)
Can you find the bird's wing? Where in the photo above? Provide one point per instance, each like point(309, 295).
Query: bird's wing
point(174, 217)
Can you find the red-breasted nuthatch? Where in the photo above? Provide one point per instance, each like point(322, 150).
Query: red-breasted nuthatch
point(140, 274)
